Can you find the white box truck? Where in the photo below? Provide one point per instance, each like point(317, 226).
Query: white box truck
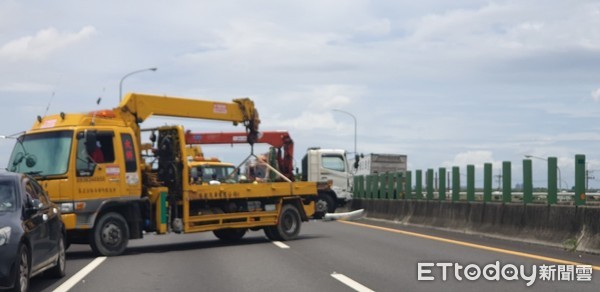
point(377, 163)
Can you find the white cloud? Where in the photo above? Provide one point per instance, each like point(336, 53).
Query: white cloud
point(25, 87)
point(43, 43)
point(311, 108)
point(458, 25)
point(476, 157)
point(311, 121)
point(378, 28)
point(596, 94)
point(332, 96)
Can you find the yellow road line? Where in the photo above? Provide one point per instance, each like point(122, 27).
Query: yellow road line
point(472, 245)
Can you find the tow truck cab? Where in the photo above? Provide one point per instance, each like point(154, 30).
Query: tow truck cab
point(83, 167)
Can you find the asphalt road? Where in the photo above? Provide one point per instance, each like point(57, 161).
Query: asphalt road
point(328, 256)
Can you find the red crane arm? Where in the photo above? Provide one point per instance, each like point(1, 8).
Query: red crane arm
point(277, 139)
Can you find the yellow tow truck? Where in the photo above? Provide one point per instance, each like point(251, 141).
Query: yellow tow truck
point(111, 187)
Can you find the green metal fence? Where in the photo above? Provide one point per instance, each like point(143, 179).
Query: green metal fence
point(446, 186)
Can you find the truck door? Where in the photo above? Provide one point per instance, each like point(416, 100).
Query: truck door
point(99, 173)
point(334, 167)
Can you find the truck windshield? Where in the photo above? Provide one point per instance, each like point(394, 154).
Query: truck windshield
point(42, 154)
point(218, 172)
point(8, 200)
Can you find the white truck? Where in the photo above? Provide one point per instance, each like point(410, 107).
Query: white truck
point(334, 176)
point(377, 163)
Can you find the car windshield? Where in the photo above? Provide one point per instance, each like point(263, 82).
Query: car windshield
point(42, 154)
point(8, 196)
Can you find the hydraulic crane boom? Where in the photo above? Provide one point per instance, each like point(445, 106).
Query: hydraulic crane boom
point(136, 108)
point(274, 138)
point(280, 140)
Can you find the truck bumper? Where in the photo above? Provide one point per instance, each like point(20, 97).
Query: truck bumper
point(70, 220)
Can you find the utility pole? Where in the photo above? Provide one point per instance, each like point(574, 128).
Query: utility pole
point(499, 177)
point(588, 176)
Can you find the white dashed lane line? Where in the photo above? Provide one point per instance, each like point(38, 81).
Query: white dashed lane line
point(340, 277)
point(281, 244)
point(351, 283)
point(67, 285)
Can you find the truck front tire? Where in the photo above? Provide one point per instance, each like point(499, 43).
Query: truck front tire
point(110, 235)
point(324, 204)
point(271, 233)
point(289, 223)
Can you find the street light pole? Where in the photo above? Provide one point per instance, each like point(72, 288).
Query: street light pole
point(129, 74)
point(557, 168)
point(353, 117)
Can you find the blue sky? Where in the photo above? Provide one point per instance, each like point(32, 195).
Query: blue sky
point(457, 83)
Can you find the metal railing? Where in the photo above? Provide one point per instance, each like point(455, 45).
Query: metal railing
point(401, 186)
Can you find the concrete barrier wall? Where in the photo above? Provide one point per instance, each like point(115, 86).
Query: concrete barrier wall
point(571, 227)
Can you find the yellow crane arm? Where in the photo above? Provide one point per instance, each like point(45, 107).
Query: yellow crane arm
point(136, 108)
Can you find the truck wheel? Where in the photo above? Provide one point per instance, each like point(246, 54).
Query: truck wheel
point(231, 234)
point(271, 233)
point(324, 204)
point(110, 235)
point(289, 223)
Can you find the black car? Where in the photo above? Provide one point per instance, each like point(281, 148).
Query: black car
point(31, 232)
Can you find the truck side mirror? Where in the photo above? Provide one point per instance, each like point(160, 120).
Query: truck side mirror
point(356, 160)
point(89, 138)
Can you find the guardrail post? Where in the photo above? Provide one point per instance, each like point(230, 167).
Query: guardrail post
point(366, 187)
point(357, 190)
point(470, 183)
point(506, 182)
point(382, 185)
point(361, 186)
point(487, 182)
point(369, 194)
point(397, 187)
point(408, 185)
point(391, 185)
point(442, 184)
point(455, 183)
point(527, 181)
point(355, 187)
point(363, 189)
point(580, 179)
point(376, 187)
point(418, 184)
point(552, 181)
point(430, 184)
